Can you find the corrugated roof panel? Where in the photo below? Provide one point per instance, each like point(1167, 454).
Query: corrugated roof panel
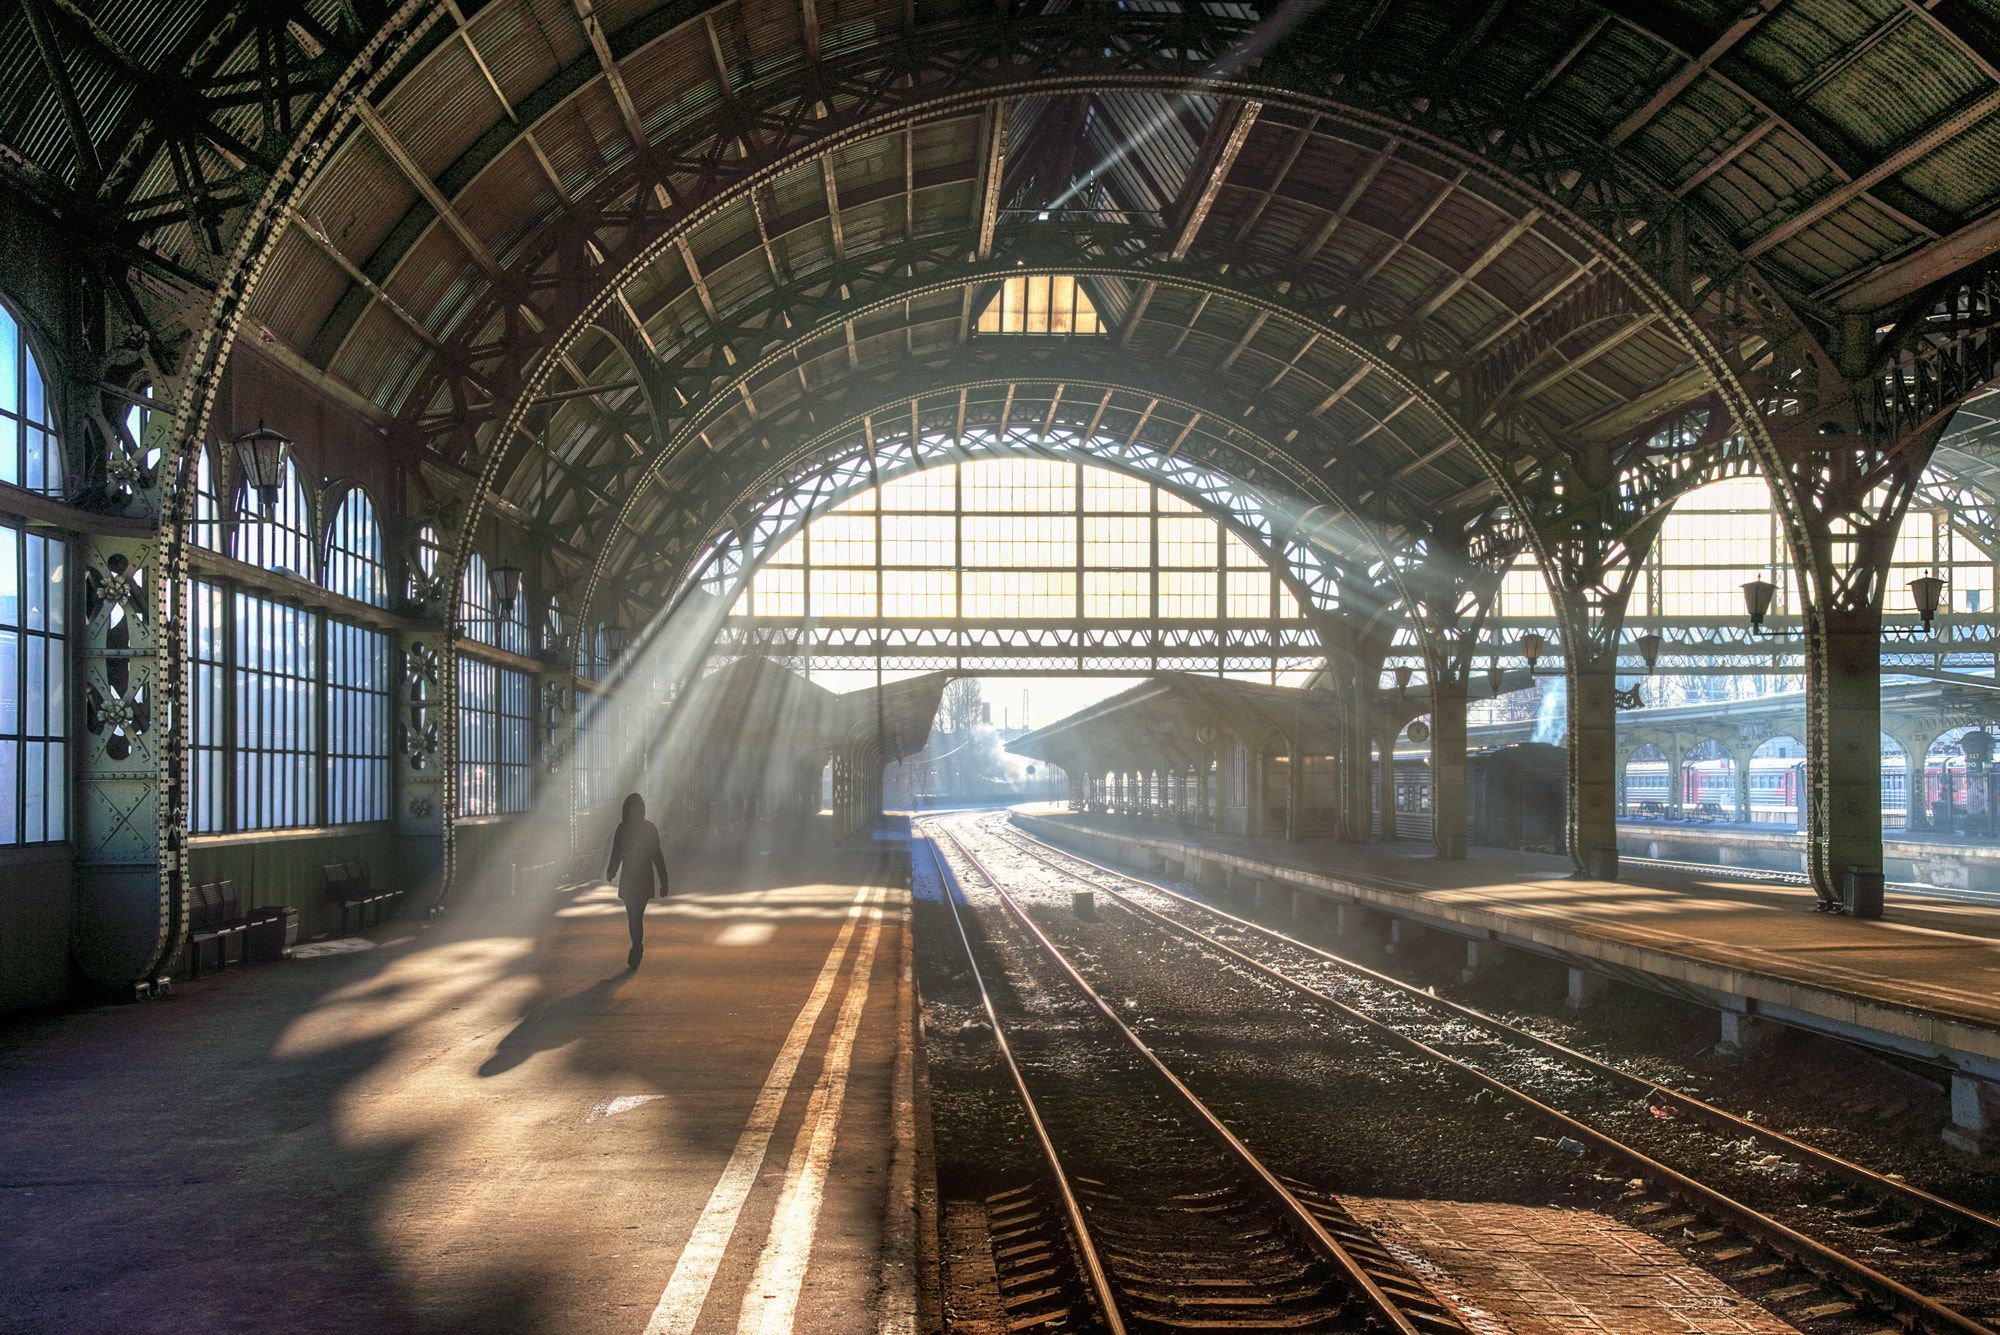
point(1963, 176)
point(1902, 85)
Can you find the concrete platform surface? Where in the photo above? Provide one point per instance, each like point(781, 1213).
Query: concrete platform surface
point(490, 1125)
point(1925, 978)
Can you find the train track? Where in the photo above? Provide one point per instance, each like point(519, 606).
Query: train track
point(1173, 1221)
point(1943, 1255)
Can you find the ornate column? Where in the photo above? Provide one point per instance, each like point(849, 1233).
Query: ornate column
point(1448, 803)
point(130, 814)
point(1387, 730)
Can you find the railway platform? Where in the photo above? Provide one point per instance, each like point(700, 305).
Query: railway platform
point(490, 1124)
point(1920, 982)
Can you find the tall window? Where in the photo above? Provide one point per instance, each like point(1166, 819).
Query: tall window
point(592, 757)
point(357, 723)
point(207, 704)
point(478, 739)
point(516, 708)
point(278, 536)
point(205, 527)
point(354, 565)
point(30, 450)
point(495, 713)
point(276, 713)
point(33, 689)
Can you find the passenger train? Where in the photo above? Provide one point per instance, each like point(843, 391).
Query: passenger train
point(1777, 786)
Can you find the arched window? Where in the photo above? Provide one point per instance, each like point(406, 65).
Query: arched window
point(479, 610)
point(354, 565)
point(205, 527)
point(424, 570)
point(30, 449)
point(277, 538)
point(475, 602)
point(552, 625)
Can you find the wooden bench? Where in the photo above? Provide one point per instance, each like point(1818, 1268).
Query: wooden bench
point(349, 885)
point(214, 915)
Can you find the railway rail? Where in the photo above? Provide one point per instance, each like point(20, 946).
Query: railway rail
point(1197, 1231)
point(1938, 1257)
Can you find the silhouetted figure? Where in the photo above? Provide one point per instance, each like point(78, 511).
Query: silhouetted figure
point(636, 846)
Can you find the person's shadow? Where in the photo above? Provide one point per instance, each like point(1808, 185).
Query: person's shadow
point(552, 1026)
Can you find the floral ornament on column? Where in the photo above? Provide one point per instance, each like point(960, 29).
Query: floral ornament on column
point(117, 709)
point(419, 731)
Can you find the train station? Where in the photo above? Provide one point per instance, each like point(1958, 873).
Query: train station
point(915, 668)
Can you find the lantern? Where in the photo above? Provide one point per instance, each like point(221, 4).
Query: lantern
point(506, 588)
point(1758, 595)
point(262, 454)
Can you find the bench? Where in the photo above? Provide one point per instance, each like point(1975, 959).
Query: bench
point(214, 914)
point(348, 884)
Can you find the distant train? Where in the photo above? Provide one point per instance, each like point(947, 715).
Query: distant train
point(1514, 797)
point(1777, 786)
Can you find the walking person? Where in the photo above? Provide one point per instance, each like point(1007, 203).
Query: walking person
point(636, 846)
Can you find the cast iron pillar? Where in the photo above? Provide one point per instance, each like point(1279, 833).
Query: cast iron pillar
point(1385, 777)
point(1448, 807)
point(1591, 734)
point(1844, 757)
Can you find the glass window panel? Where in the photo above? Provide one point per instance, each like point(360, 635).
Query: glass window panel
point(861, 502)
point(779, 592)
point(1117, 593)
point(1171, 504)
point(1123, 542)
point(1104, 490)
point(1238, 554)
point(1188, 542)
point(842, 593)
point(919, 593)
point(1011, 595)
point(1187, 594)
point(355, 567)
point(1018, 540)
point(1014, 486)
point(919, 540)
point(357, 724)
point(34, 662)
point(842, 540)
point(927, 489)
point(30, 447)
point(1250, 594)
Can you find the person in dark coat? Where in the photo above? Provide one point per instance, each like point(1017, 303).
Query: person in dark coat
point(636, 846)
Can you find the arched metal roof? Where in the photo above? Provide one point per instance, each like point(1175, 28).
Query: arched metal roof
point(596, 261)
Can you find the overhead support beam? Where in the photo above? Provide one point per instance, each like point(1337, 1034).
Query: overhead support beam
point(314, 232)
point(1664, 96)
point(528, 135)
point(1886, 284)
point(1465, 276)
point(65, 88)
point(994, 156)
point(422, 183)
point(1905, 157)
point(1210, 170)
point(614, 79)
